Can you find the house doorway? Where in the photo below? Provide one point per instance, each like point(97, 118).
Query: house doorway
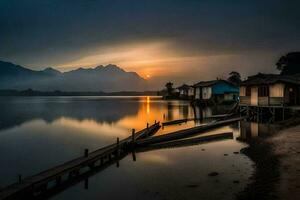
point(292, 95)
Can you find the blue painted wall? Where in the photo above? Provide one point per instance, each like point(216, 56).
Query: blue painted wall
point(223, 87)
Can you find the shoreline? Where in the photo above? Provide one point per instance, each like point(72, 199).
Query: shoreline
point(277, 164)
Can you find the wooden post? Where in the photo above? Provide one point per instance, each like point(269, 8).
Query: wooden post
point(86, 152)
point(154, 121)
point(118, 147)
point(147, 125)
point(133, 156)
point(20, 178)
point(133, 137)
point(118, 152)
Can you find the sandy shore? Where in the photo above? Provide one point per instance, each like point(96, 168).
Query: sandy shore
point(287, 149)
point(277, 163)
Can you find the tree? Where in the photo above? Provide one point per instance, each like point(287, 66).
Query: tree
point(235, 78)
point(289, 64)
point(169, 87)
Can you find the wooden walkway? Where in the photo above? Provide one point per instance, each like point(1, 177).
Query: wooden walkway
point(38, 183)
point(59, 176)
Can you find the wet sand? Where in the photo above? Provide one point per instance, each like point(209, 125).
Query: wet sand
point(287, 148)
point(277, 164)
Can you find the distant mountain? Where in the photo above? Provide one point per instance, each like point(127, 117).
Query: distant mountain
point(109, 78)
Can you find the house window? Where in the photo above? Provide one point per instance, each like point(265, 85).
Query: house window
point(248, 91)
point(263, 91)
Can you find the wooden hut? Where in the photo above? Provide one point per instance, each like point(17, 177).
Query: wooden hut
point(270, 90)
point(186, 92)
point(216, 91)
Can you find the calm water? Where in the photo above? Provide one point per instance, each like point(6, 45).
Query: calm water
point(39, 132)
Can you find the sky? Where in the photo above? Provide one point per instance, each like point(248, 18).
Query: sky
point(183, 41)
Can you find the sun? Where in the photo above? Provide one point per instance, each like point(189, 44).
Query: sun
point(148, 76)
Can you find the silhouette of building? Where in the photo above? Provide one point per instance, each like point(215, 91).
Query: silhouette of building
point(186, 91)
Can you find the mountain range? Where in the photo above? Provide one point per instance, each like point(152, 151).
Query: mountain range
point(109, 78)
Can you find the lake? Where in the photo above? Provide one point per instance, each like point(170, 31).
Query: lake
point(37, 133)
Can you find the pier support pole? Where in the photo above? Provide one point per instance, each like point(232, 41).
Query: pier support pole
point(86, 152)
point(133, 155)
point(133, 137)
point(118, 152)
point(118, 147)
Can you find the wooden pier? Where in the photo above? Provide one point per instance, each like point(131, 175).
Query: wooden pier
point(56, 179)
point(35, 185)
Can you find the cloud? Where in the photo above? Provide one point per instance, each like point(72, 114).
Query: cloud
point(64, 32)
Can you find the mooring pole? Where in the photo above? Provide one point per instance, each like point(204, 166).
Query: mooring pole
point(118, 147)
point(118, 151)
point(133, 155)
point(86, 152)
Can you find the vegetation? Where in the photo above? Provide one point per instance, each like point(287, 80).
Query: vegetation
point(169, 87)
point(289, 64)
point(235, 78)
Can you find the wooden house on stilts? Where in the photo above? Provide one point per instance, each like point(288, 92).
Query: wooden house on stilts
point(215, 92)
point(269, 92)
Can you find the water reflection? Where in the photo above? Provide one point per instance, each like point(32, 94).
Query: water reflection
point(18, 110)
point(62, 127)
point(250, 130)
point(177, 173)
point(48, 131)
